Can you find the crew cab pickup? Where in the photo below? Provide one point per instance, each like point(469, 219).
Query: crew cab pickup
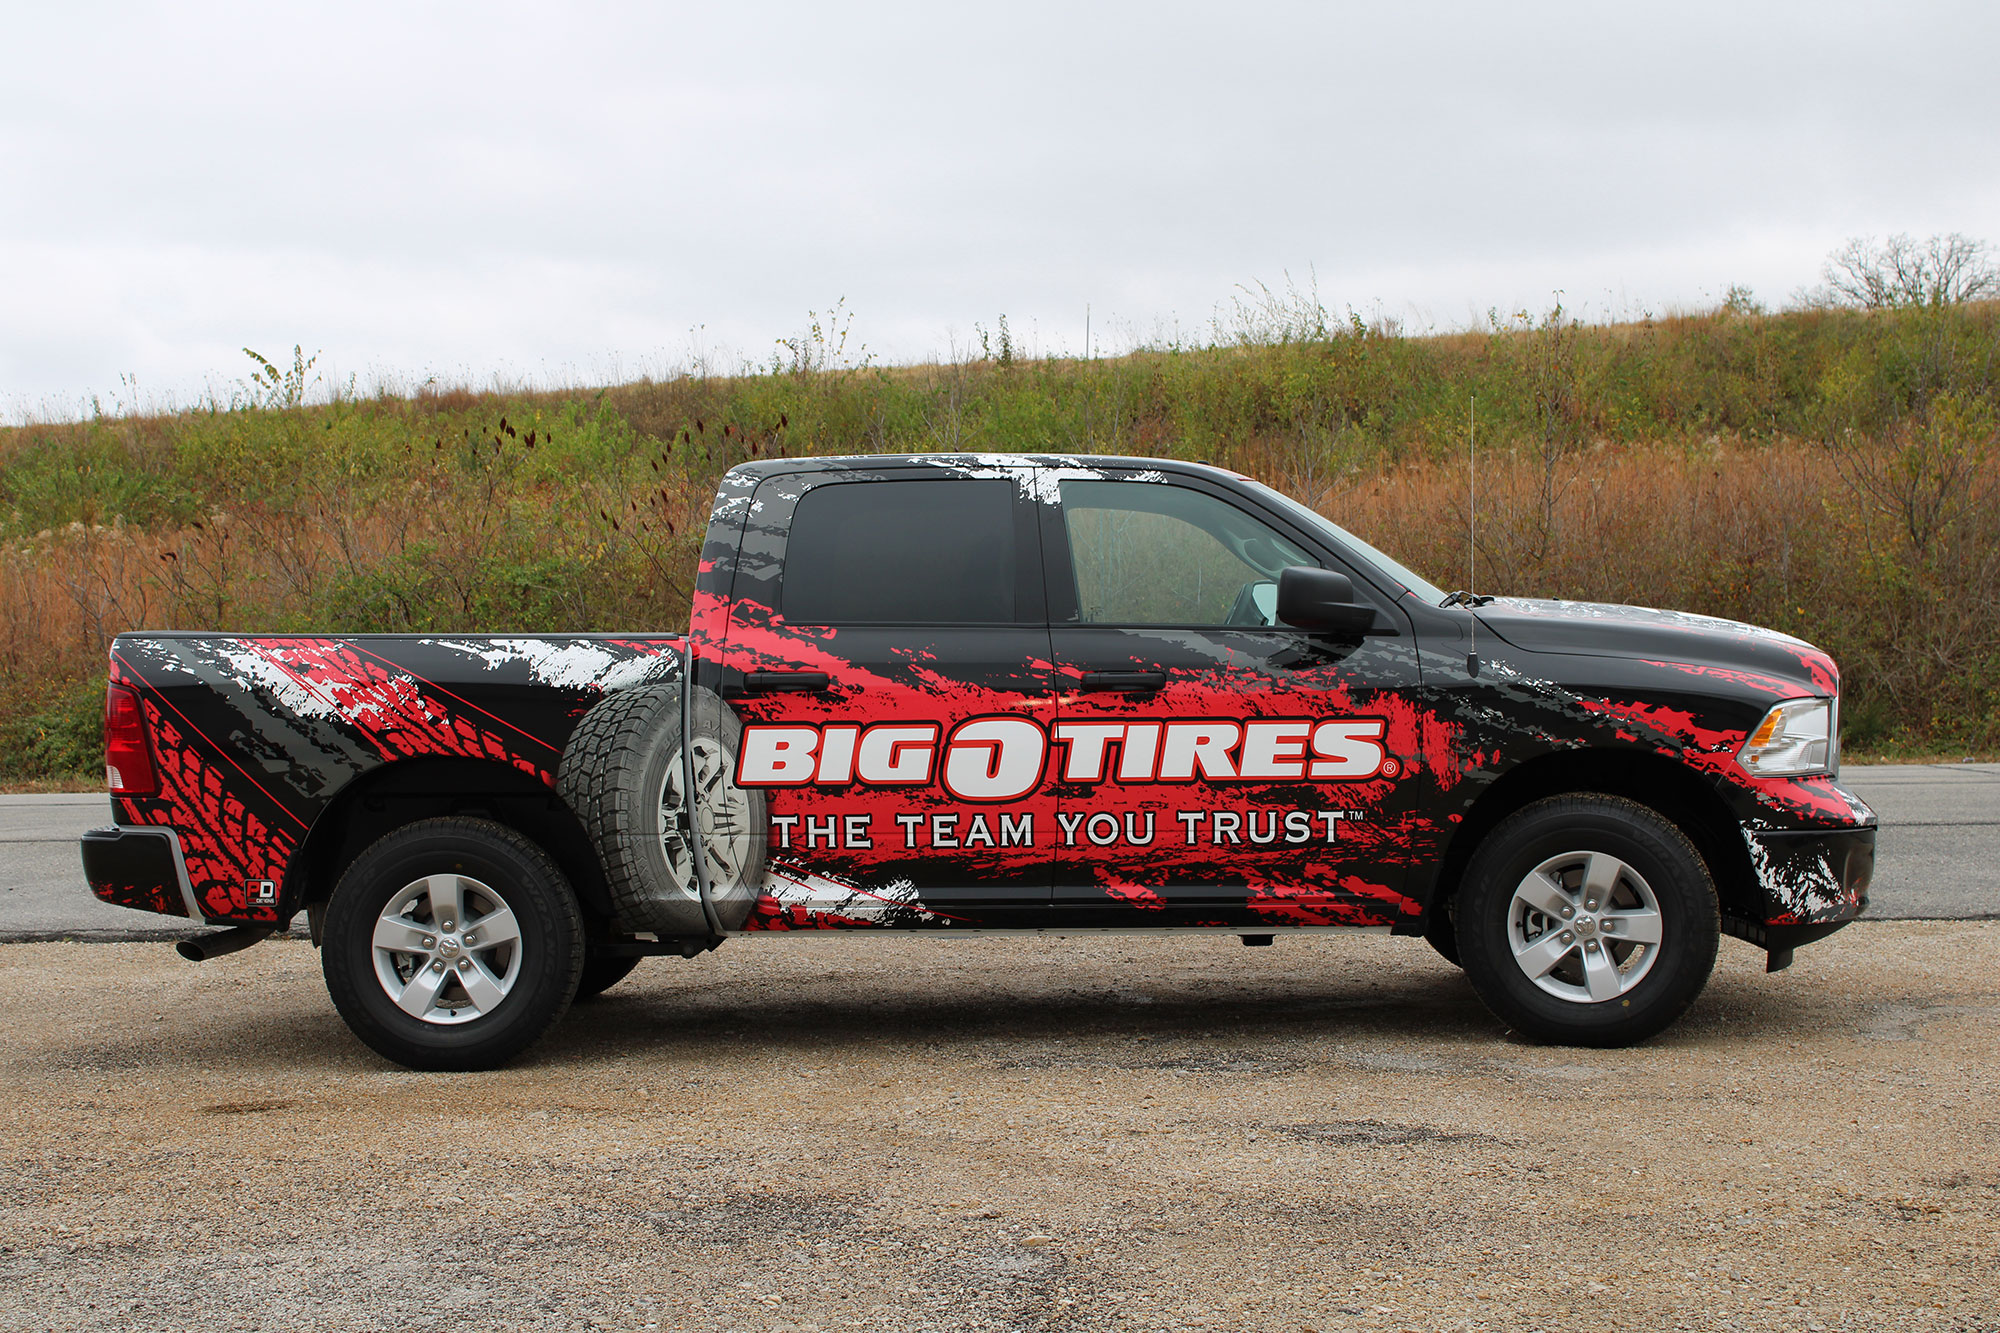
point(967, 694)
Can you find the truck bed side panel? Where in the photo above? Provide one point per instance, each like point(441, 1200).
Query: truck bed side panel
point(255, 734)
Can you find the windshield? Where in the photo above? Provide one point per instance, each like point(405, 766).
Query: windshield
point(1316, 522)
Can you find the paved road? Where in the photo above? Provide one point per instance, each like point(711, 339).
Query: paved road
point(42, 892)
point(1938, 856)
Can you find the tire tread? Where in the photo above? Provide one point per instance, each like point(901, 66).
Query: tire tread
point(1487, 966)
point(599, 778)
point(564, 965)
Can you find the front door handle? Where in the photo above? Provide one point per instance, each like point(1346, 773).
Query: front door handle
point(1132, 682)
point(784, 682)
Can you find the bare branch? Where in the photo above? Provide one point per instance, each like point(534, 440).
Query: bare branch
point(1902, 272)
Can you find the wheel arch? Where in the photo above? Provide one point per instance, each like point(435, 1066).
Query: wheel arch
point(1656, 781)
point(429, 787)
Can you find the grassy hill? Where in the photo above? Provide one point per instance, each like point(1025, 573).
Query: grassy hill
point(1832, 473)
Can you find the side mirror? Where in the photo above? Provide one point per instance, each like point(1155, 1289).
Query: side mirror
point(1320, 599)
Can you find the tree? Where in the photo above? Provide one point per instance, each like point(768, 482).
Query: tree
point(1901, 272)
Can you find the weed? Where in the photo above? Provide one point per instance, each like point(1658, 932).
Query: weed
point(1831, 472)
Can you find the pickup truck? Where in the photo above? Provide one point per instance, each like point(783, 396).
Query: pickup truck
point(987, 694)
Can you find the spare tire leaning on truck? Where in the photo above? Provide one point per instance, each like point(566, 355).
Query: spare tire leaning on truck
point(623, 775)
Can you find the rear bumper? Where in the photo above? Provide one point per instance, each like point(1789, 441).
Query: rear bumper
point(140, 868)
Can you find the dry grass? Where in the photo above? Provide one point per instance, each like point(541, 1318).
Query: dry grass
point(1831, 474)
point(1764, 533)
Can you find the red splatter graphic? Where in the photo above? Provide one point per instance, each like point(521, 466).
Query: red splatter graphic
point(1137, 895)
point(1776, 687)
point(399, 713)
point(1356, 903)
point(162, 898)
point(224, 843)
point(1285, 881)
point(1674, 732)
point(770, 914)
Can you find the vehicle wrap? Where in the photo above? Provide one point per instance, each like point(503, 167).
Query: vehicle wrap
point(1509, 685)
point(254, 736)
point(974, 777)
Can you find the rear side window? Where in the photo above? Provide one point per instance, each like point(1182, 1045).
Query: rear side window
point(901, 552)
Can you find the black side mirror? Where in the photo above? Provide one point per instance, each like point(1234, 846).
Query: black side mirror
point(1320, 599)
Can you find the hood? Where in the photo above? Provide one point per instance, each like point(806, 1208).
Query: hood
point(1597, 629)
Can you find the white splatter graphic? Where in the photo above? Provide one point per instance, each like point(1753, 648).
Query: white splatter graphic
point(896, 902)
point(1040, 476)
point(1807, 890)
point(569, 664)
point(1538, 606)
point(287, 692)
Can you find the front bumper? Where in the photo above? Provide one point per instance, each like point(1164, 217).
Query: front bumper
point(1814, 881)
point(140, 868)
point(1813, 877)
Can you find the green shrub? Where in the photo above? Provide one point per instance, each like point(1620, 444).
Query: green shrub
point(56, 732)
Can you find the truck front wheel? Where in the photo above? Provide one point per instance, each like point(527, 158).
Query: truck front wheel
point(1587, 920)
point(452, 944)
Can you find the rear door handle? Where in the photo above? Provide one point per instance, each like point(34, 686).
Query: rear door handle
point(1129, 681)
point(784, 682)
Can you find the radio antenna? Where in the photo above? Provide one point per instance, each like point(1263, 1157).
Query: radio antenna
point(1472, 532)
point(1090, 396)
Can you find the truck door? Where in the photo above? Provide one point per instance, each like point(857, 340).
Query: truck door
point(888, 654)
point(1213, 767)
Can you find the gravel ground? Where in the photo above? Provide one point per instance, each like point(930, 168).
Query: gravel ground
point(1011, 1134)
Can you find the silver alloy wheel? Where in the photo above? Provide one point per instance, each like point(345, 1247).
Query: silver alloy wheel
point(722, 819)
point(1584, 926)
point(447, 949)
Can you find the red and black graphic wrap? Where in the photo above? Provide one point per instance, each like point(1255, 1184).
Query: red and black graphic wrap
point(1032, 769)
point(136, 868)
point(1549, 681)
point(254, 736)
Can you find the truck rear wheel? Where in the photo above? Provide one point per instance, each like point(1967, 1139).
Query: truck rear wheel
point(452, 944)
point(1587, 920)
point(622, 774)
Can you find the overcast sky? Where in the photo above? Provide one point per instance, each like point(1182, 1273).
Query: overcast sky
point(576, 193)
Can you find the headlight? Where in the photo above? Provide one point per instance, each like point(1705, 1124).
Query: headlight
point(1795, 738)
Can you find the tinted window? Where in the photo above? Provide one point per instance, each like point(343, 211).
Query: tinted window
point(1145, 553)
point(939, 552)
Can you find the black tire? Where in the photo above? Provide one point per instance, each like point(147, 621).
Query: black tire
point(602, 971)
point(1583, 836)
point(621, 767)
point(526, 981)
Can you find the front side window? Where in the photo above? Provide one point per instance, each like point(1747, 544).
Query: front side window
point(901, 552)
point(1147, 553)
